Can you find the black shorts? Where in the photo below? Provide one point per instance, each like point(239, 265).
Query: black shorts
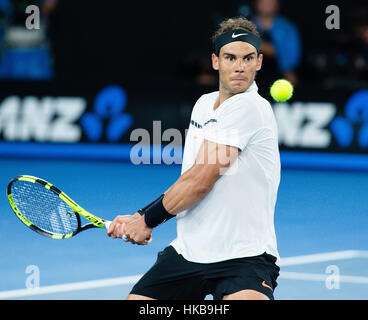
point(174, 278)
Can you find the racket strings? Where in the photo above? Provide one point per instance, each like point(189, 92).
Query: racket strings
point(43, 208)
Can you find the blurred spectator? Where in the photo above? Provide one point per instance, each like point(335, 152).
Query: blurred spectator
point(5, 16)
point(24, 54)
point(343, 62)
point(281, 43)
point(196, 68)
point(359, 47)
point(206, 76)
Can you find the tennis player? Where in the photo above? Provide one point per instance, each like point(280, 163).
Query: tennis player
point(224, 199)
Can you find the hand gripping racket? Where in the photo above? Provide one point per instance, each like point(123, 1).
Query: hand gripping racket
point(49, 211)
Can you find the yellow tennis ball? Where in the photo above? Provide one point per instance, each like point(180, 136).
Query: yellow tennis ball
point(281, 90)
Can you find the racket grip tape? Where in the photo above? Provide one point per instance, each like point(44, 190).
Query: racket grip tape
point(107, 224)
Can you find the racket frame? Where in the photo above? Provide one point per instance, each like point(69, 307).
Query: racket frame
point(96, 222)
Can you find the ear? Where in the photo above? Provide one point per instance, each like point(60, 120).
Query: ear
point(259, 61)
point(215, 62)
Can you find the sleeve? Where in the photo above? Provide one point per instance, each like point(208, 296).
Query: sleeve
point(195, 110)
point(234, 126)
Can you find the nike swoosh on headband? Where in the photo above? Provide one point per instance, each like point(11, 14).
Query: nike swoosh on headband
point(238, 35)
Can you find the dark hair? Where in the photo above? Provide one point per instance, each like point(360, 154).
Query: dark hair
point(233, 24)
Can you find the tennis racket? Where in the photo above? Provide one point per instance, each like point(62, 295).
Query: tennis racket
point(49, 211)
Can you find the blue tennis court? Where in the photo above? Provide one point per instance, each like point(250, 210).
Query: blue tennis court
point(320, 220)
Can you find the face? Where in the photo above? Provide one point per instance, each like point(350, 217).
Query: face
point(237, 64)
point(267, 7)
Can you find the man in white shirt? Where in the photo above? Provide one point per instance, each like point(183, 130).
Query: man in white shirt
point(224, 199)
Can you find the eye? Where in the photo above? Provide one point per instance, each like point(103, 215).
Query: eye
point(249, 58)
point(230, 58)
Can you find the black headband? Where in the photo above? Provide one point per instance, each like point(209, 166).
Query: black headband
point(236, 35)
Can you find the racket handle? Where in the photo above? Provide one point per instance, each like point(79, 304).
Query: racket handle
point(107, 224)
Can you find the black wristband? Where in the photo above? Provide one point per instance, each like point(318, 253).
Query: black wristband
point(155, 213)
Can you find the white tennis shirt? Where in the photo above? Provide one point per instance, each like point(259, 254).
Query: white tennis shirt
point(236, 218)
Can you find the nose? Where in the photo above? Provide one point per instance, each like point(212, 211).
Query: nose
point(240, 65)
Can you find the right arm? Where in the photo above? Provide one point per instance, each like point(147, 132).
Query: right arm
point(197, 182)
point(191, 187)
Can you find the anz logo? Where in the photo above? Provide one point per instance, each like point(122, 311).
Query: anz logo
point(315, 124)
point(354, 124)
point(64, 119)
point(108, 117)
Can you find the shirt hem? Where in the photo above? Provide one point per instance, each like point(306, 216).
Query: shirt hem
point(246, 254)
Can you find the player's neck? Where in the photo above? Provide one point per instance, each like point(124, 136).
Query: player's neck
point(223, 95)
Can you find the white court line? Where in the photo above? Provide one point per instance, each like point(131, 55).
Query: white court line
point(75, 286)
point(297, 260)
point(321, 277)
point(322, 257)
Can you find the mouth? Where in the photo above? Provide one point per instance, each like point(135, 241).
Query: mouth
point(238, 80)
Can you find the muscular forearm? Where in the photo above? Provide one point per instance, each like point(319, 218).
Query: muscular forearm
point(188, 190)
